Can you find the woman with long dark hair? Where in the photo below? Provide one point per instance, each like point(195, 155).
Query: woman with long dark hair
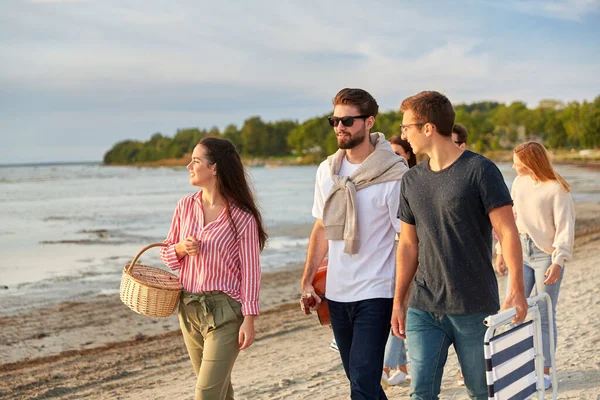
point(545, 217)
point(214, 242)
point(404, 149)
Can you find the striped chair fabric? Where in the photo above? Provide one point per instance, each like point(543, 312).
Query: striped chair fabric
point(510, 364)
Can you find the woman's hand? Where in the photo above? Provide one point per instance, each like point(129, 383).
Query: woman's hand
point(500, 265)
point(189, 246)
point(553, 274)
point(246, 335)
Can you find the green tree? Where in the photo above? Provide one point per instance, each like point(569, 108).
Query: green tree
point(232, 133)
point(279, 131)
point(313, 136)
point(124, 152)
point(590, 123)
point(388, 123)
point(491, 125)
point(184, 141)
point(214, 132)
point(571, 121)
point(255, 135)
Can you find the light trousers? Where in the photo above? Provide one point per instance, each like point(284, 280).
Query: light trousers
point(535, 265)
point(395, 352)
point(210, 323)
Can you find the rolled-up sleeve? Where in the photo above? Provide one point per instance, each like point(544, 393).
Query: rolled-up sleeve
point(167, 253)
point(564, 222)
point(250, 268)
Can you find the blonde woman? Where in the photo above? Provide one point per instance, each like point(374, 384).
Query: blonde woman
point(546, 222)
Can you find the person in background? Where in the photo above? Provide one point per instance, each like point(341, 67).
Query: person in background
point(403, 149)
point(214, 242)
point(395, 370)
point(459, 136)
point(545, 217)
point(356, 198)
point(448, 207)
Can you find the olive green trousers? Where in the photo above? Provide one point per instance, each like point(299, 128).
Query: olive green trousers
point(210, 323)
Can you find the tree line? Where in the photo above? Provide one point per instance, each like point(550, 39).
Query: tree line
point(491, 126)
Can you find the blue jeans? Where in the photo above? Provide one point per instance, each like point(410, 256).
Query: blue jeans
point(429, 335)
point(361, 329)
point(395, 352)
point(535, 265)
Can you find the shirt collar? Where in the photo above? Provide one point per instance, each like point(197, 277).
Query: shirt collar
point(198, 196)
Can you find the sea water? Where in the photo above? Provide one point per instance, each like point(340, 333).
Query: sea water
point(67, 230)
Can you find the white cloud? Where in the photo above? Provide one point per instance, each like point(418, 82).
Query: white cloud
point(573, 10)
point(162, 65)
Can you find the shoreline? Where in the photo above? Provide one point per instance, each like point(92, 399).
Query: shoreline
point(103, 320)
point(101, 349)
point(560, 157)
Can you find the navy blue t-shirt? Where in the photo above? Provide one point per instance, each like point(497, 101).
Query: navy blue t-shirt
point(450, 211)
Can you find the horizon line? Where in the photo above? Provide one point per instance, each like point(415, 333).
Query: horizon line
point(48, 163)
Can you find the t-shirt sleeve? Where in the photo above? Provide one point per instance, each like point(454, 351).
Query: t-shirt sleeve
point(319, 198)
point(394, 203)
point(492, 189)
point(405, 213)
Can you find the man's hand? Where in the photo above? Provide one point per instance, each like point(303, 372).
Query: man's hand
point(519, 302)
point(500, 265)
point(317, 250)
point(309, 301)
point(399, 321)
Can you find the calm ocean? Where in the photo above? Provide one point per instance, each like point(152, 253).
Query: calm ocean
point(67, 230)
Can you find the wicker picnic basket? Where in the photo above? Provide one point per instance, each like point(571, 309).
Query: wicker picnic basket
point(148, 290)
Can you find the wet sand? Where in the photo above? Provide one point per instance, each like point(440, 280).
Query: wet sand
point(99, 349)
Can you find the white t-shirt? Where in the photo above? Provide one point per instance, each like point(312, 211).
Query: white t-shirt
point(370, 273)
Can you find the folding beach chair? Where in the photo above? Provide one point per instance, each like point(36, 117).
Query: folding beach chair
point(514, 358)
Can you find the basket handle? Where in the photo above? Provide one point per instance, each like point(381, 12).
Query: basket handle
point(130, 267)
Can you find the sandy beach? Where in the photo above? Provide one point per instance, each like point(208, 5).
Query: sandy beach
point(99, 349)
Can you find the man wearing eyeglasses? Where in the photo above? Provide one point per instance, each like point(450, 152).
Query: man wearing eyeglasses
point(448, 207)
point(459, 136)
point(357, 191)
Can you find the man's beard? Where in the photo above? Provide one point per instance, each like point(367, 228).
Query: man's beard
point(354, 140)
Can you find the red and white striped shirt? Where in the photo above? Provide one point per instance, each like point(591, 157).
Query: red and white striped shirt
point(224, 262)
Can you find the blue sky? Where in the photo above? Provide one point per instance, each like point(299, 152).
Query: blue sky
point(77, 76)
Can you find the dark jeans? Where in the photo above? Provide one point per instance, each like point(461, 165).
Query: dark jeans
point(429, 335)
point(361, 330)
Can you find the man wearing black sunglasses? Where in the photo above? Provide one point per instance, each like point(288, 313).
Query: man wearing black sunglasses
point(356, 198)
